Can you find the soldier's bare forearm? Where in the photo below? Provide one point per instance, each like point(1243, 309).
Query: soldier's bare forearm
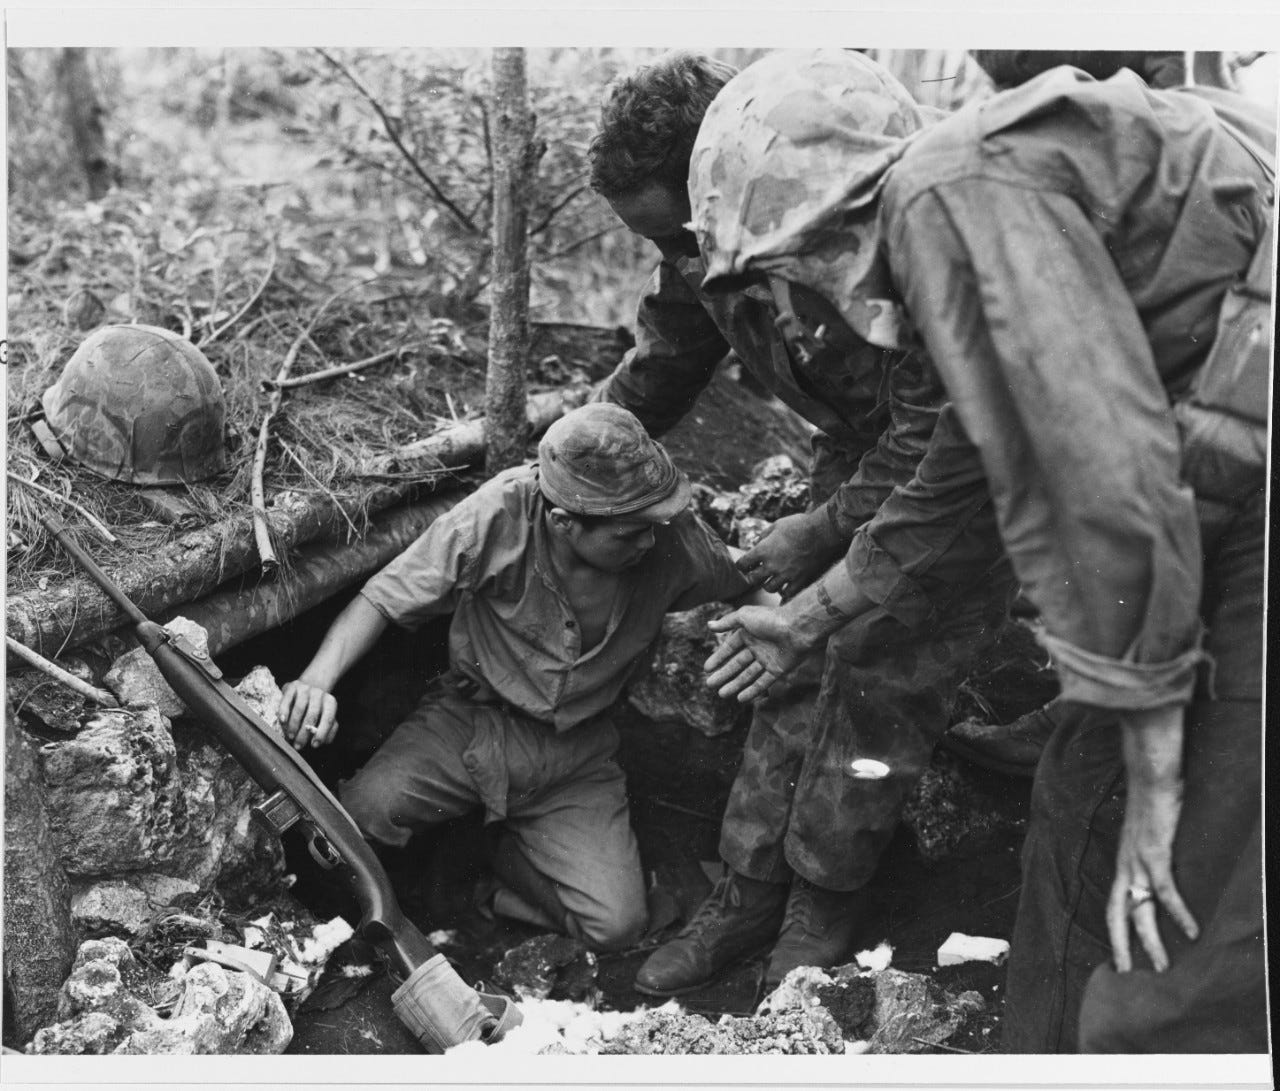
point(352, 634)
point(828, 604)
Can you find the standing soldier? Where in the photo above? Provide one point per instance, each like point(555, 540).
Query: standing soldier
point(1089, 267)
point(803, 832)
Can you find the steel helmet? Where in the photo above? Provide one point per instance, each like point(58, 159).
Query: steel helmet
point(786, 172)
point(139, 404)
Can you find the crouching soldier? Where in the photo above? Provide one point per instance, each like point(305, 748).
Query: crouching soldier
point(558, 575)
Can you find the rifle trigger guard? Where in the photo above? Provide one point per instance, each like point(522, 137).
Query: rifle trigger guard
point(322, 852)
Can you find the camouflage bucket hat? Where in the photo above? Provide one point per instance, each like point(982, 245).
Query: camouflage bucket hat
point(599, 460)
point(785, 173)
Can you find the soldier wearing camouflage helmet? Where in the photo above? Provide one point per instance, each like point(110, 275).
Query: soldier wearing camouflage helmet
point(1063, 254)
point(802, 836)
point(138, 404)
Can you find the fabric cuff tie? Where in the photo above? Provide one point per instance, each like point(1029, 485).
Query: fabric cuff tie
point(1098, 680)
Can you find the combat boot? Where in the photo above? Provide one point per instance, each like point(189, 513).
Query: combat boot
point(1012, 749)
point(817, 929)
point(738, 916)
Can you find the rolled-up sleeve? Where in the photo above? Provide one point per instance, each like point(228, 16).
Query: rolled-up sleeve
point(678, 346)
point(1045, 359)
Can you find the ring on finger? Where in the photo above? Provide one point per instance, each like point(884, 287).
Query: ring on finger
point(1138, 895)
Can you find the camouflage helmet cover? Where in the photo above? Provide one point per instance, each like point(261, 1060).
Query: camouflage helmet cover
point(139, 404)
point(785, 173)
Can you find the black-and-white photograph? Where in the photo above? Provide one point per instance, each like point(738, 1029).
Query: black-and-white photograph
point(569, 551)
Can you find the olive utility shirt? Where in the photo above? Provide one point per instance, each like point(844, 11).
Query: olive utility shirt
point(920, 529)
point(1063, 250)
point(513, 631)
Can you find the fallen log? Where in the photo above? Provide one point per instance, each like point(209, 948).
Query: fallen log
point(193, 564)
point(464, 442)
point(320, 572)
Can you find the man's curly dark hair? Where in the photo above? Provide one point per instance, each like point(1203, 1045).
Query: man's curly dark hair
point(649, 121)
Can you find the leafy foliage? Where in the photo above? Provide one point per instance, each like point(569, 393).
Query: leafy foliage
point(251, 185)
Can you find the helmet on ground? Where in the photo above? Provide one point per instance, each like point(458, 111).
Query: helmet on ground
point(139, 404)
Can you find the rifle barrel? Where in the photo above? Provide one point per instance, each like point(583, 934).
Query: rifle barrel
point(58, 529)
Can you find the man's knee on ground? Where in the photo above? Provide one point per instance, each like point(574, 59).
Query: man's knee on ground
point(611, 930)
point(373, 809)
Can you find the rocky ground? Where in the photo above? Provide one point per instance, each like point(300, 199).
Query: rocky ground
point(951, 868)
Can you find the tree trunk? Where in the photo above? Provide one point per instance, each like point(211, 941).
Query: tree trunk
point(515, 159)
point(84, 115)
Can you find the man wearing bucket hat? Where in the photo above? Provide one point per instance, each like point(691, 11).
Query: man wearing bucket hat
point(803, 831)
point(1089, 266)
point(558, 575)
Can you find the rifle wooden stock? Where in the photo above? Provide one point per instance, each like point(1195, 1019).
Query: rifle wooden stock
point(333, 838)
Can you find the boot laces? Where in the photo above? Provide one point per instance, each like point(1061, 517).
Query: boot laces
point(725, 894)
point(800, 906)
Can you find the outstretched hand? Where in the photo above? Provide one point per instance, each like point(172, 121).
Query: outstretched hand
point(759, 650)
point(308, 714)
point(1144, 882)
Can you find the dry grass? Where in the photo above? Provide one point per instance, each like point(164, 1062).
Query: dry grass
point(129, 259)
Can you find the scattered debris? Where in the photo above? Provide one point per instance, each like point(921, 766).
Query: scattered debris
point(913, 1011)
point(216, 1011)
point(877, 959)
point(949, 812)
point(550, 968)
point(960, 948)
point(554, 1027)
point(125, 906)
point(777, 487)
point(59, 674)
point(324, 940)
point(46, 706)
point(299, 963)
point(791, 1028)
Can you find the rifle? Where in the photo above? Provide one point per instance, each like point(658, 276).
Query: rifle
point(432, 1000)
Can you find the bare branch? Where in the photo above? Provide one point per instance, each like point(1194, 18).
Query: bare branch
point(257, 491)
point(579, 243)
point(271, 268)
point(389, 127)
point(556, 209)
point(343, 369)
point(97, 696)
